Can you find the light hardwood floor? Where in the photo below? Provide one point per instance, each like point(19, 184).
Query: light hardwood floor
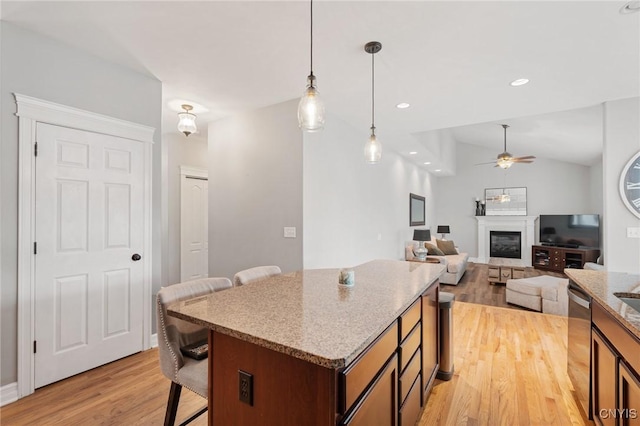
point(510, 368)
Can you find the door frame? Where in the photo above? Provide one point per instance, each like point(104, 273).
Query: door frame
point(188, 172)
point(31, 111)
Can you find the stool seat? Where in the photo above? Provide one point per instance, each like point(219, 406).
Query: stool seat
point(543, 293)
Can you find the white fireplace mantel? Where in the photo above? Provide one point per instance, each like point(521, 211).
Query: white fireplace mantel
point(524, 224)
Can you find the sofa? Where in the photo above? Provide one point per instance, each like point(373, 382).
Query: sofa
point(456, 264)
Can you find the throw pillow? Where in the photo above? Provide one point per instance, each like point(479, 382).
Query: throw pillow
point(433, 250)
point(447, 247)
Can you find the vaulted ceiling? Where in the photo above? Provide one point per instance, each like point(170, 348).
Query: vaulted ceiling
point(451, 60)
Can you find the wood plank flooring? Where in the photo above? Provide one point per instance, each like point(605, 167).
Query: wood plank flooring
point(510, 368)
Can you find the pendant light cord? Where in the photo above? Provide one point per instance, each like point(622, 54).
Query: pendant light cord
point(373, 86)
point(311, 37)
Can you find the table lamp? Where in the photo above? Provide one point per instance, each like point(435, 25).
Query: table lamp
point(443, 229)
point(421, 235)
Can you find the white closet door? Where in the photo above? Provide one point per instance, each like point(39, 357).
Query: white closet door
point(89, 224)
point(194, 234)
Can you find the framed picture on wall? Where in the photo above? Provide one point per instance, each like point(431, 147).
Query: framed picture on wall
point(416, 210)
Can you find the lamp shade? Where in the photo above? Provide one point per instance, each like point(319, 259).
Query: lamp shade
point(443, 229)
point(421, 235)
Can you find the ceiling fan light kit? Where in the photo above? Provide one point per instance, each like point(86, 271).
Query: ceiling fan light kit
point(505, 159)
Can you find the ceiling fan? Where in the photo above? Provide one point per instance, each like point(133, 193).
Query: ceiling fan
point(505, 160)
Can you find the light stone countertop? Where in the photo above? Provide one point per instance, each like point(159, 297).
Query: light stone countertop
point(308, 315)
point(601, 285)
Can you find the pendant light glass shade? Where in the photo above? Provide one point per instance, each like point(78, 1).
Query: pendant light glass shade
point(311, 108)
point(187, 121)
point(373, 149)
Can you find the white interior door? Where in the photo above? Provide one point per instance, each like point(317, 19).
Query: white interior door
point(194, 233)
point(89, 224)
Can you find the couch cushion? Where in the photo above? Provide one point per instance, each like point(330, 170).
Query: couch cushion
point(433, 250)
point(447, 247)
point(456, 262)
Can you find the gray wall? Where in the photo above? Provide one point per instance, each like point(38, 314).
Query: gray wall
point(355, 212)
point(181, 151)
point(43, 68)
point(255, 189)
point(553, 187)
point(621, 142)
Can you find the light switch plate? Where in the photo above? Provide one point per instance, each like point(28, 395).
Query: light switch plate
point(633, 232)
point(289, 231)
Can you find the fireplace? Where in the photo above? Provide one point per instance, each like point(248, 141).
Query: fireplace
point(505, 244)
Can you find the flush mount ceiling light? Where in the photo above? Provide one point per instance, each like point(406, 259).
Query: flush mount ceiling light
point(426, 163)
point(403, 105)
point(373, 148)
point(187, 120)
point(311, 107)
point(519, 82)
point(631, 7)
point(413, 152)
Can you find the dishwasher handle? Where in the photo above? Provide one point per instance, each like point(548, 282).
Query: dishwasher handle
point(574, 293)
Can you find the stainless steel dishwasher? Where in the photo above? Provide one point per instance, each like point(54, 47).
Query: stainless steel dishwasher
point(579, 345)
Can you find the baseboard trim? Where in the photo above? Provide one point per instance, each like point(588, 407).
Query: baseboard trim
point(8, 394)
point(154, 340)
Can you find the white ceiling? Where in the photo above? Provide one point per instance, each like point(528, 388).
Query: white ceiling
point(451, 60)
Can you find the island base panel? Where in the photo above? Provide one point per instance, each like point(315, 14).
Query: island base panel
point(286, 390)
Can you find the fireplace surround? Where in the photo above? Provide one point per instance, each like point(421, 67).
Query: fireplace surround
point(523, 224)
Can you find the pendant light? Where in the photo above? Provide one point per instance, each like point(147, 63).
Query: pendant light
point(373, 148)
point(311, 107)
point(187, 120)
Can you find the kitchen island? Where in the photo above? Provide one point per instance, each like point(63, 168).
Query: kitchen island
point(300, 349)
point(613, 367)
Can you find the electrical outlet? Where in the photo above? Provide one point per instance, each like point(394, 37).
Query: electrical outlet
point(245, 387)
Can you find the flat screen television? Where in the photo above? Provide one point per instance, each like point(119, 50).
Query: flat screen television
point(570, 230)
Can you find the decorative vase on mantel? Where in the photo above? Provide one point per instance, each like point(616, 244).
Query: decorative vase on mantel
point(483, 210)
point(478, 209)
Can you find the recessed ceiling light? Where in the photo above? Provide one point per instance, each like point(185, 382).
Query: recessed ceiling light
point(631, 7)
point(413, 152)
point(519, 82)
point(403, 105)
point(426, 163)
point(437, 170)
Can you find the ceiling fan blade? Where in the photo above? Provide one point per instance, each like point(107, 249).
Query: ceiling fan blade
point(526, 157)
point(522, 161)
point(480, 164)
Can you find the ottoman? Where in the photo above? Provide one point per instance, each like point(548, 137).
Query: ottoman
point(544, 293)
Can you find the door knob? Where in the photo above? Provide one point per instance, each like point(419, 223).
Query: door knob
point(136, 257)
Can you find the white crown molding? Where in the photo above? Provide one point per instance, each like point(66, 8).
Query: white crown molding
point(61, 115)
point(195, 172)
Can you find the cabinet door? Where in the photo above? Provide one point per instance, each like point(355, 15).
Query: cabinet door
point(629, 396)
point(430, 336)
point(604, 364)
point(378, 406)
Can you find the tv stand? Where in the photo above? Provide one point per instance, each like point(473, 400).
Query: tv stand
point(557, 259)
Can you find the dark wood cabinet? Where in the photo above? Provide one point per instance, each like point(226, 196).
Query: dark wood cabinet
point(557, 259)
point(604, 366)
point(628, 396)
point(378, 405)
point(615, 385)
